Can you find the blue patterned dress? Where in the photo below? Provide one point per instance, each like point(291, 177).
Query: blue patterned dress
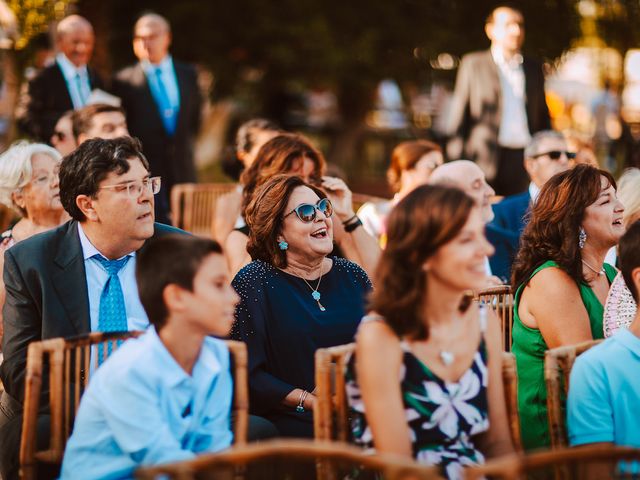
point(442, 416)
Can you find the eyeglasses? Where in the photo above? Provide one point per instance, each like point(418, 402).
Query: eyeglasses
point(134, 189)
point(556, 154)
point(306, 212)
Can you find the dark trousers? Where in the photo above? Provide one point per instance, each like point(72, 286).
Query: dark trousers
point(511, 177)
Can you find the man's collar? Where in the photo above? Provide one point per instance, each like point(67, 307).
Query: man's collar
point(88, 249)
point(164, 64)
point(534, 191)
point(69, 69)
point(498, 57)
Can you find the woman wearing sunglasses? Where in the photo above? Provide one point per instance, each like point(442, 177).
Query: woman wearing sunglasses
point(295, 298)
point(290, 153)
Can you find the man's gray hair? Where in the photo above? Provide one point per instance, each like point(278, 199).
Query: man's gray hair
point(533, 148)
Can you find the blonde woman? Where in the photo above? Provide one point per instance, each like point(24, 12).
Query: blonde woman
point(29, 185)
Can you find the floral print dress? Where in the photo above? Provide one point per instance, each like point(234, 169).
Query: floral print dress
point(442, 416)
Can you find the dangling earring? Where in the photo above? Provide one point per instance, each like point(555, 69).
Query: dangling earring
point(283, 245)
point(582, 238)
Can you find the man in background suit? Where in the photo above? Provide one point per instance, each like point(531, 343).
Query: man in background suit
point(162, 101)
point(498, 104)
point(64, 85)
point(545, 156)
point(79, 277)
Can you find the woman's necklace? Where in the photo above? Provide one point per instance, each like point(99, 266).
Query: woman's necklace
point(314, 291)
point(599, 273)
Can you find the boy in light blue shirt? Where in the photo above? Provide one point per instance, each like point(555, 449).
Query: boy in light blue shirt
point(165, 396)
point(604, 395)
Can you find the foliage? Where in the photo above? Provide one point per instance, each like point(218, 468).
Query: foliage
point(36, 16)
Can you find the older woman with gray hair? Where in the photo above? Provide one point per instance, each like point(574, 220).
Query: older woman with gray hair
point(29, 185)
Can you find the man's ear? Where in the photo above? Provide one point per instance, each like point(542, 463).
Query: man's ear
point(174, 297)
point(488, 30)
point(86, 205)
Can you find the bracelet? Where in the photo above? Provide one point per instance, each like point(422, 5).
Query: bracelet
point(303, 397)
point(353, 225)
point(348, 220)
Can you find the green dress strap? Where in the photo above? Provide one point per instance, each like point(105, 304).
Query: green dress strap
point(529, 347)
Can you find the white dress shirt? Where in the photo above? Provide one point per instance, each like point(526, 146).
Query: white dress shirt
point(514, 126)
point(97, 277)
point(534, 191)
point(77, 79)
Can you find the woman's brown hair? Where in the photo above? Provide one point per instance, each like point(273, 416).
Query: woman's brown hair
point(278, 156)
point(265, 214)
point(554, 224)
point(405, 156)
point(425, 220)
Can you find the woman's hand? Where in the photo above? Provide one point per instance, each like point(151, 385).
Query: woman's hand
point(340, 197)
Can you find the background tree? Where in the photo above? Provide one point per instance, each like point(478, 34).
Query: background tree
point(261, 51)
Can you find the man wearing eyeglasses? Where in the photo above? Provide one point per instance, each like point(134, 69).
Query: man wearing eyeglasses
point(498, 103)
point(162, 100)
point(80, 277)
point(546, 155)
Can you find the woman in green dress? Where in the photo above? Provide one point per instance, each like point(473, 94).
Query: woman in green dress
point(561, 281)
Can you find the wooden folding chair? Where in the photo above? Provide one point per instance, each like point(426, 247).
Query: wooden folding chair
point(587, 462)
point(501, 300)
point(193, 206)
point(330, 414)
point(70, 363)
point(510, 383)
point(558, 363)
point(272, 458)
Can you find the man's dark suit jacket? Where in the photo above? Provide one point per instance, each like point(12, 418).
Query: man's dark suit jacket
point(169, 156)
point(506, 246)
point(47, 296)
point(505, 230)
point(48, 99)
point(511, 213)
point(474, 118)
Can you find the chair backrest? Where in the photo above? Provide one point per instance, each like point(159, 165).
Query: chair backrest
point(193, 206)
point(70, 364)
point(277, 458)
point(510, 383)
point(330, 414)
point(586, 462)
point(501, 300)
point(558, 363)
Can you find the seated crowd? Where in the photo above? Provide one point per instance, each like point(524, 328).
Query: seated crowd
point(301, 271)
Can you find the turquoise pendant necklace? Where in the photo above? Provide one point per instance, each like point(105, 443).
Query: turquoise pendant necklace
point(315, 294)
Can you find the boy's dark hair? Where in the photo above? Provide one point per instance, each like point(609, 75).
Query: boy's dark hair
point(169, 259)
point(83, 169)
point(82, 120)
point(629, 249)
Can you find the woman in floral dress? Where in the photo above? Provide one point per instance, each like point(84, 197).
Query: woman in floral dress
point(426, 378)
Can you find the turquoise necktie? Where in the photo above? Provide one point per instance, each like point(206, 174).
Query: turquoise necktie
point(112, 314)
point(167, 112)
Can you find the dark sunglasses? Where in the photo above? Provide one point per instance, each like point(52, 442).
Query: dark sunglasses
point(556, 154)
point(306, 212)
